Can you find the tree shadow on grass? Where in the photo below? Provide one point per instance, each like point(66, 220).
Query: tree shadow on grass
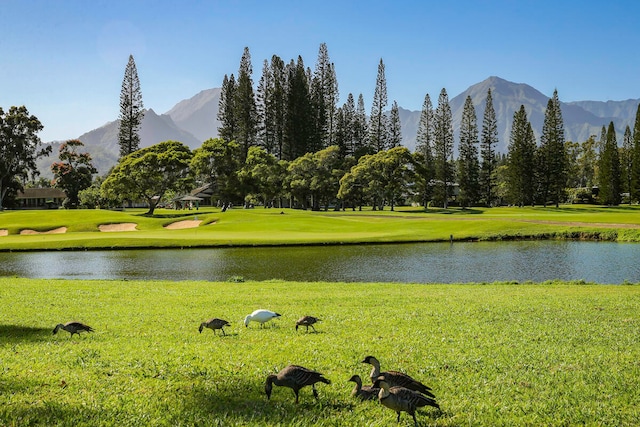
point(18, 333)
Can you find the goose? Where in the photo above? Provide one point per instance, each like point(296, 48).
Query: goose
point(366, 392)
point(214, 324)
point(73, 328)
point(295, 377)
point(307, 321)
point(402, 399)
point(260, 316)
point(395, 378)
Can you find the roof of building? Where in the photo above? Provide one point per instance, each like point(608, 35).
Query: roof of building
point(41, 193)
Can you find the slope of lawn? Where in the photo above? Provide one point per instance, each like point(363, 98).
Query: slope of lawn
point(553, 354)
point(288, 226)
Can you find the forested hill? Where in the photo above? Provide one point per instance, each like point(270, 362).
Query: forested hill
point(194, 120)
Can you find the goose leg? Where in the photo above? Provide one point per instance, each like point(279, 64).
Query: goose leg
point(315, 392)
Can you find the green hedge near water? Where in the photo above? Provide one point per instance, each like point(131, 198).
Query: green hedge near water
point(553, 354)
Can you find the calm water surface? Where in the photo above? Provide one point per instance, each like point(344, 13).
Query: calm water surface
point(421, 263)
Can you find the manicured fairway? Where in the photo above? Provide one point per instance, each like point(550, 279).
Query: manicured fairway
point(289, 226)
point(553, 354)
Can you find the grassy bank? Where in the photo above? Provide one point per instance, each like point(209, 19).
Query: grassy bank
point(287, 226)
point(495, 354)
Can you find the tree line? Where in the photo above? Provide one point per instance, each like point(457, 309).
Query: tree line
point(290, 143)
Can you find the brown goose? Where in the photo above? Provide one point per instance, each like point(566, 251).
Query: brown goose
point(73, 328)
point(395, 378)
point(402, 399)
point(366, 392)
point(295, 377)
point(307, 321)
point(214, 324)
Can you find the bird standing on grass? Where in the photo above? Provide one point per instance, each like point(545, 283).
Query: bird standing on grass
point(307, 321)
point(214, 324)
point(395, 378)
point(261, 316)
point(402, 399)
point(73, 328)
point(363, 392)
point(295, 377)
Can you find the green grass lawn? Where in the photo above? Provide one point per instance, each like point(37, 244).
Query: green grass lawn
point(288, 226)
point(553, 354)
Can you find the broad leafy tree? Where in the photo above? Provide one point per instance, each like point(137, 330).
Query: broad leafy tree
point(378, 120)
point(74, 172)
point(20, 148)
point(131, 110)
point(552, 159)
point(443, 149)
point(587, 163)
point(468, 164)
point(149, 173)
point(519, 174)
point(314, 179)
point(217, 163)
point(488, 142)
point(262, 176)
point(609, 170)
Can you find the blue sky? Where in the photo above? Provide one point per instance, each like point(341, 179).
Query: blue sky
point(65, 59)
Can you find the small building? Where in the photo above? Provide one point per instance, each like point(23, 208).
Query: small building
point(205, 194)
point(40, 198)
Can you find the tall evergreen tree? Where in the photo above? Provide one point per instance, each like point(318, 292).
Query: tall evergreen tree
point(443, 148)
point(609, 170)
point(228, 129)
point(553, 158)
point(635, 168)
point(246, 112)
point(272, 106)
point(324, 96)
point(488, 142)
point(360, 126)
point(626, 161)
point(395, 132)
point(346, 126)
point(131, 110)
point(424, 149)
point(468, 164)
point(298, 117)
point(587, 162)
point(378, 119)
point(520, 177)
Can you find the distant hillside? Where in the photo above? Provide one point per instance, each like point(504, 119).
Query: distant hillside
point(198, 115)
point(194, 120)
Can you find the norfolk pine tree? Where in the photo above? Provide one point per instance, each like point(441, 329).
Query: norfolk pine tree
point(245, 108)
point(552, 157)
point(378, 119)
point(521, 161)
point(609, 167)
point(468, 164)
point(488, 142)
point(395, 132)
point(443, 148)
point(635, 169)
point(626, 161)
point(228, 129)
point(131, 110)
point(424, 152)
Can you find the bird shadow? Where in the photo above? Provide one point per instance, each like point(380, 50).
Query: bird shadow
point(243, 400)
point(19, 333)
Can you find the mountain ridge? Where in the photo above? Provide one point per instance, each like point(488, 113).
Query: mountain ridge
point(194, 120)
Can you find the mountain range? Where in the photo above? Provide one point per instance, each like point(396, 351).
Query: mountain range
point(194, 120)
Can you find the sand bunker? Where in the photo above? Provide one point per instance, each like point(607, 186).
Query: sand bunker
point(58, 230)
point(124, 226)
point(183, 224)
point(4, 232)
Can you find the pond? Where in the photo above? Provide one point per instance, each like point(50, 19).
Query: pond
point(599, 262)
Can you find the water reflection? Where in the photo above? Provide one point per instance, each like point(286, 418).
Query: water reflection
point(422, 263)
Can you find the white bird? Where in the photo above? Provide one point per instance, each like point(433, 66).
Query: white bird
point(261, 316)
